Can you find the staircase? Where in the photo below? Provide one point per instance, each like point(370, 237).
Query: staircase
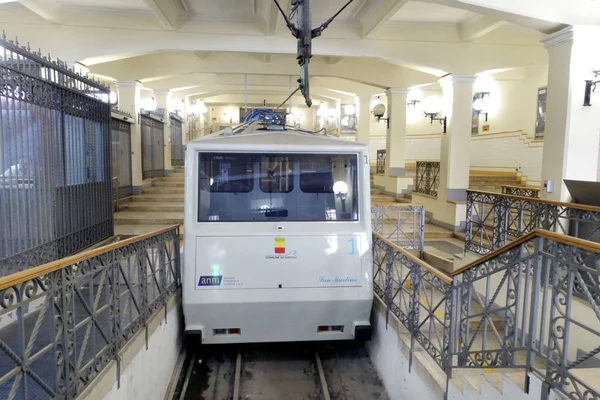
point(159, 206)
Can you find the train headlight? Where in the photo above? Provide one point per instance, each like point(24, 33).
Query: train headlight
point(340, 188)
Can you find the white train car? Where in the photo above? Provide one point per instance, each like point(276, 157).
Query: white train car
point(277, 236)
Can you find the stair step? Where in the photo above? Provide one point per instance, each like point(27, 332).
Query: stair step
point(148, 218)
point(125, 231)
point(152, 206)
point(164, 190)
point(169, 183)
point(156, 197)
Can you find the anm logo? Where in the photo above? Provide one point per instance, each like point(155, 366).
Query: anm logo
point(210, 280)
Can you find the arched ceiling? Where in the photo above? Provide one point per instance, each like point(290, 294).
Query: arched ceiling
point(199, 47)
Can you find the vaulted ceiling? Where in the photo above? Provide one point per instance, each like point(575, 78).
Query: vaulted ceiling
point(196, 47)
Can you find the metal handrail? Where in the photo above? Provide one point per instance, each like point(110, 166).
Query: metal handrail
point(513, 308)
point(494, 219)
point(403, 225)
point(36, 272)
point(65, 321)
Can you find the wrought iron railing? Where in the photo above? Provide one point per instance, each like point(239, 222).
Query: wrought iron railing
point(534, 304)
point(63, 322)
point(381, 156)
point(494, 219)
point(521, 191)
point(55, 173)
point(427, 180)
point(403, 225)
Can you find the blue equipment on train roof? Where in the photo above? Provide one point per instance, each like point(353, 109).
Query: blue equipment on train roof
point(263, 114)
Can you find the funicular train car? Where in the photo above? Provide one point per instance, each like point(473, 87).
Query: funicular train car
point(277, 237)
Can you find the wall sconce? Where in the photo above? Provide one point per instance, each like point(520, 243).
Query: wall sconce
point(414, 97)
point(378, 112)
point(431, 106)
point(479, 103)
point(590, 86)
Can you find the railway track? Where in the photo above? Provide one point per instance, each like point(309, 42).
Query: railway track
point(279, 371)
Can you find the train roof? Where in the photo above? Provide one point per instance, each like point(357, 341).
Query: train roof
point(258, 135)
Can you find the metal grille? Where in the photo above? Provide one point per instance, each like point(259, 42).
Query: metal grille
point(121, 156)
point(521, 191)
point(381, 155)
point(153, 149)
point(427, 180)
point(177, 149)
point(55, 174)
point(533, 305)
point(59, 330)
point(404, 225)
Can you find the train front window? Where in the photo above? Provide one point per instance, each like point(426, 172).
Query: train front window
point(277, 187)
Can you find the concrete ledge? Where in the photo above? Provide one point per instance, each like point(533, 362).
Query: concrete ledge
point(145, 368)
point(390, 350)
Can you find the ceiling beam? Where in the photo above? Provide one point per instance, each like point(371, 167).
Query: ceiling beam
point(46, 9)
point(274, 18)
point(165, 12)
point(375, 13)
point(477, 27)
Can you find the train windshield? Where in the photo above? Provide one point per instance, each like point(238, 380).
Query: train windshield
point(236, 187)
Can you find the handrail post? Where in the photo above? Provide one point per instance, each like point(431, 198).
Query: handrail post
point(414, 307)
point(422, 231)
point(533, 315)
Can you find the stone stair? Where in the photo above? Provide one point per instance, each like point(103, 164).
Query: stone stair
point(159, 206)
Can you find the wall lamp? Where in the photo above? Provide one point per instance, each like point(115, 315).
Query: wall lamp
point(378, 112)
point(414, 97)
point(479, 103)
point(433, 117)
point(590, 86)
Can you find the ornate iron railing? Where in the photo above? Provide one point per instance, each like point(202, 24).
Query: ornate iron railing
point(403, 225)
point(55, 172)
point(419, 295)
point(63, 322)
point(427, 180)
point(494, 219)
point(381, 155)
point(521, 191)
point(534, 304)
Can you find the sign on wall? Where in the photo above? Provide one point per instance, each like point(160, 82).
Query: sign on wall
point(540, 122)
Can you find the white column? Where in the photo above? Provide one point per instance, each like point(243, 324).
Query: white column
point(162, 103)
point(129, 101)
point(363, 112)
point(398, 183)
point(455, 157)
point(571, 138)
point(185, 124)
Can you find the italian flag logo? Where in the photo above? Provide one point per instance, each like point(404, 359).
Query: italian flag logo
point(279, 246)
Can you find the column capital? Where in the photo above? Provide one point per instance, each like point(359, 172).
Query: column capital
point(135, 84)
point(558, 38)
point(393, 91)
point(451, 79)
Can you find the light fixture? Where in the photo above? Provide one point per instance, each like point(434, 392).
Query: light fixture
point(149, 104)
point(590, 86)
point(340, 188)
point(349, 109)
point(378, 112)
point(479, 104)
point(432, 106)
point(414, 97)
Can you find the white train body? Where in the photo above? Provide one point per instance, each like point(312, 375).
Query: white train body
point(271, 253)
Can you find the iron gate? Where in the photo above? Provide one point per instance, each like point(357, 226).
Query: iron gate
point(153, 148)
point(177, 152)
point(55, 174)
point(121, 156)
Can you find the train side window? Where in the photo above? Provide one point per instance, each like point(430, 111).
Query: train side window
point(276, 174)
